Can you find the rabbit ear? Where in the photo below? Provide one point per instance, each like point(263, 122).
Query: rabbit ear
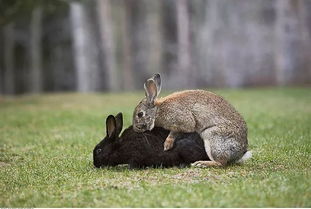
point(157, 80)
point(150, 91)
point(111, 126)
point(119, 123)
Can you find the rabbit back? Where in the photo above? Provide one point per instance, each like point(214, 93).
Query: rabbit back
point(196, 110)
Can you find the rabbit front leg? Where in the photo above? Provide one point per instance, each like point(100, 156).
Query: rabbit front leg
point(169, 141)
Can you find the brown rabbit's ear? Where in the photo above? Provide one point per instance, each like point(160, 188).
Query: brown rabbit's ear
point(150, 91)
point(111, 126)
point(157, 80)
point(119, 123)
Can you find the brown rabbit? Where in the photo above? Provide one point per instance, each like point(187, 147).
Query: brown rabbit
point(222, 128)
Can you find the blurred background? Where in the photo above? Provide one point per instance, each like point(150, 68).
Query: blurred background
point(114, 45)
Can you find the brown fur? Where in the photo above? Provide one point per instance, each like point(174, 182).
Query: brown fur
point(222, 128)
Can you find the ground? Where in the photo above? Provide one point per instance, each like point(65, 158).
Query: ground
point(46, 145)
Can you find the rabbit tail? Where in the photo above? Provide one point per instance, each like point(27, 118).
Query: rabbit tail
point(245, 157)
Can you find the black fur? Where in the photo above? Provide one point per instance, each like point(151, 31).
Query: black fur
point(141, 150)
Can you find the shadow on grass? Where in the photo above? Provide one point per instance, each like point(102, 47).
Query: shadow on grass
point(126, 167)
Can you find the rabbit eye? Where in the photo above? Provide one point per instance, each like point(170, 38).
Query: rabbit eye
point(140, 114)
point(98, 151)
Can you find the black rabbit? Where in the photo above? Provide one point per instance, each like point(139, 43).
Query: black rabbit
point(141, 150)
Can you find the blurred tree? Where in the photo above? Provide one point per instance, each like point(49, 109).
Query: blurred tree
point(305, 25)
point(84, 45)
point(144, 32)
point(185, 69)
point(293, 37)
point(8, 74)
point(10, 10)
point(108, 43)
point(57, 56)
point(36, 78)
point(169, 43)
point(25, 42)
point(125, 56)
point(86, 54)
point(154, 33)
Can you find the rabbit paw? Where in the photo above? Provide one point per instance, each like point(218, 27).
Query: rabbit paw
point(205, 164)
point(168, 144)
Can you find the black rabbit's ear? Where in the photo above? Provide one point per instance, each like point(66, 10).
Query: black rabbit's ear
point(119, 123)
point(111, 126)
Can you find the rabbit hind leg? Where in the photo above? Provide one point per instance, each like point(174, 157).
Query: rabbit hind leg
point(206, 135)
point(225, 150)
point(211, 162)
point(205, 164)
point(209, 138)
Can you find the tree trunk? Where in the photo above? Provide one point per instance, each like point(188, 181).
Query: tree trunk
point(127, 69)
point(107, 42)
point(8, 74)
point(305, 25)
point(1, 62)
point(36, 82)
point(288, 54)
point(154, 32)
point(206, 51)
point(183, 38)
point(169, 57)
point(138, 32)
point(85, 49)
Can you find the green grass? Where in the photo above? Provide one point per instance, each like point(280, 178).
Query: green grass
point(46, 144)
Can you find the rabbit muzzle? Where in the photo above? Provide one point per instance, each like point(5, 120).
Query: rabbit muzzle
point(140, 127)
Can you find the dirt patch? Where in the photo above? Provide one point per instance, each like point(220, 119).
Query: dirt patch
point(188, 175)
point(194, 176)
point(3, 164)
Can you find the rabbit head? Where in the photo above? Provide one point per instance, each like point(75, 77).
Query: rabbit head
point(103, 150)
point(145, 112)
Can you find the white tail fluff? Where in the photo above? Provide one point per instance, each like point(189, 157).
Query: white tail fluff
point(245, 157)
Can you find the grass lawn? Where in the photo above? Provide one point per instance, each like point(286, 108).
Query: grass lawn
point(46, 145)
